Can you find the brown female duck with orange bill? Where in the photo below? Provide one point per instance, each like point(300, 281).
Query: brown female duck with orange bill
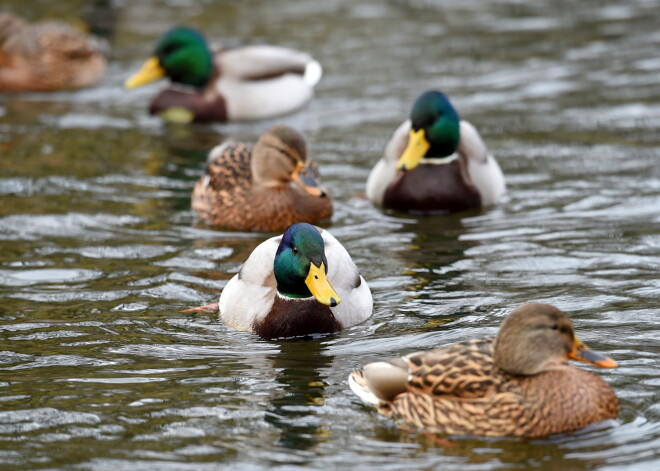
point(519, 384)
point(262, 187)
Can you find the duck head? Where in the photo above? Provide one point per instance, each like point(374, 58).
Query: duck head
point(434, 132)
point(301, 266)
point(280, 157)
point(539, 337)
point(181, 54)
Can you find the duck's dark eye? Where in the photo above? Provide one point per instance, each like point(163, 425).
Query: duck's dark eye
point(554, 327)
point(295, 250)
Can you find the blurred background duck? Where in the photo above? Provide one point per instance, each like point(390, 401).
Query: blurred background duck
point(247, 82)
point(262, 187)
point(302, 282)
point(47, 56)
point(519, 384)
point(435, 162)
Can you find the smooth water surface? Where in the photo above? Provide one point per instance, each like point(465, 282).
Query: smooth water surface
point(99, 369)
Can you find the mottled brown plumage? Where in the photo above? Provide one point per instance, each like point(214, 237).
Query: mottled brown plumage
point(470, 388)
point(47, 56)
point(262, 187)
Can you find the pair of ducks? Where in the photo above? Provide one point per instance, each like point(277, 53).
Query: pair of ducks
point(517, 384)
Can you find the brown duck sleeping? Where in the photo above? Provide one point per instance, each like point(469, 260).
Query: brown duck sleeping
point(47, 56)
point(519, 384)
point(262, 187)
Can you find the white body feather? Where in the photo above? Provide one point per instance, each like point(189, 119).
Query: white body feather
point(250, 94)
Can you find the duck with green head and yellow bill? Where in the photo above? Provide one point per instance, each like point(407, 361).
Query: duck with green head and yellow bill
point(518, 384)
point(265, 186)
point(247, 82)
point(302, 282)
point(435, 162)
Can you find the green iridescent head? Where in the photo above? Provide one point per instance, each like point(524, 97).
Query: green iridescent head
point(181, 54)
point(301, 266)
point(435, 130)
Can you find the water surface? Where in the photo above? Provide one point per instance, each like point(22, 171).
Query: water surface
point(100, 370)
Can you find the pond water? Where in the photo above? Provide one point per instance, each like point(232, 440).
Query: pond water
point(99, 369)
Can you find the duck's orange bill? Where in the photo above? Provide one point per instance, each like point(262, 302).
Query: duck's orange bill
point(415, 150)
point(320, 287)
point(208, 308)
point(582, 353)
point(150, 72)
point(307, 181)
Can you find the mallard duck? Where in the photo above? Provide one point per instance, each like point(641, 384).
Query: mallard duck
point(262, 187)
point(519, 384)
point(47, 56)
point(435, 162)
point(248, 82)
point(302, 282)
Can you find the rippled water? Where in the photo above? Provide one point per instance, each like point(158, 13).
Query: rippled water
point(100, 370)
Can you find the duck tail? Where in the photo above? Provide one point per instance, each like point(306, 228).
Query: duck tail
point(359, 386)
point(313, 73)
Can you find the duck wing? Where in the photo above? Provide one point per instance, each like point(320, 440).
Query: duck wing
point(464, 370)
point(262, 62)
point(229, 167)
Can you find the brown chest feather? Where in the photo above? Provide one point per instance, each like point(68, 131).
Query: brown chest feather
point(432, 187)
point(204, 107)
point(290, 318)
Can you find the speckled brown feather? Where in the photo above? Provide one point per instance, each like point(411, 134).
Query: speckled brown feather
point(458, 390)
point(47, 56)
point(229, 197)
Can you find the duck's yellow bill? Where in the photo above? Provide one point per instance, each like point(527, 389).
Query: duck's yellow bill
point(417, 147)
point(320, 287)
point(151, 71)
point(582, 353)
point(304, 177)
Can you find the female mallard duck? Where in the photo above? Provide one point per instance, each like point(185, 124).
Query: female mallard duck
point(302, 282)
point(435, 162)
point(47, 56)
point(265, 187)
point(243, 83)
point(519, 384)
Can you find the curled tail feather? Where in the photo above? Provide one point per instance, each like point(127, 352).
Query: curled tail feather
point(313, 73)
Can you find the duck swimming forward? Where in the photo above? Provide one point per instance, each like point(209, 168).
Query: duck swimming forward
point(247, 82)
point(435, 162)
point(302, 282)
point(518, 384)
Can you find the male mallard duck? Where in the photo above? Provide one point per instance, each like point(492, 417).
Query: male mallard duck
point(243, 83)
point(302, 282)
point(266, 187)
point(519, 384)
point(47, 56)
point(435, 162)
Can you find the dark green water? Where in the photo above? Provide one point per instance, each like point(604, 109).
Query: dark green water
point(99, 250)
